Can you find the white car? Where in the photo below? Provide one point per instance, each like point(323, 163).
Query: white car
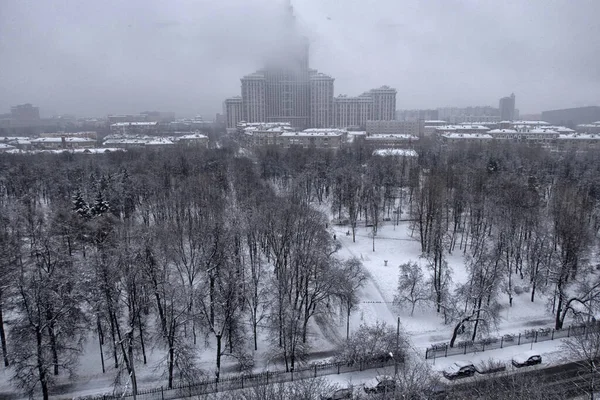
point(526, 359)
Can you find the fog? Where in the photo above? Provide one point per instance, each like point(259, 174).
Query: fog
point(98, 57)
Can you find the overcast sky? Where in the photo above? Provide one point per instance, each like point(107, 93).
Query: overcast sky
point(92, 58)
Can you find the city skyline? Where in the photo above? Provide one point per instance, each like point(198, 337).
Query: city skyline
point(187, 58)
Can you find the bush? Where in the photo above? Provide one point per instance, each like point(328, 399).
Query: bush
point(518, 290)
point(371, 343)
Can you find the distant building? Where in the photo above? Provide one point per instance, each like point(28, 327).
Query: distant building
point(352, 111)
point(507, 108)
point(253, 98)
point(135, 128)
point(416, 115)
point(233, 110)
point(390, 141)
point(589, 128)
point(572, 116)
point(317, 138)
point(25, 113)
point(384, 103)
point(158, 116)
point(193, 140)
point(394, 127)
point(46, 143)
point(321, 100)
point(457, 115)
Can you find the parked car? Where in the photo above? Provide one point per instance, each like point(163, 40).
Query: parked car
point(338, 394)
point(508, 338)
point(460, 369)
point(526, 359)
point(380, 384)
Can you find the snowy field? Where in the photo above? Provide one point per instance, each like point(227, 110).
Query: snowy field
point(393, 246)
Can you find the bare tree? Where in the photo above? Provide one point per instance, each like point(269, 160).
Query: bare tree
point(352, 279)
point(412, 287)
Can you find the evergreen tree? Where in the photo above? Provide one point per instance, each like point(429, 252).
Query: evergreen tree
point(80, 206)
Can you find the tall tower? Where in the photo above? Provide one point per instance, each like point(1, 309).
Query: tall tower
point(287, 90)
point(321, 100)
point(507, 108)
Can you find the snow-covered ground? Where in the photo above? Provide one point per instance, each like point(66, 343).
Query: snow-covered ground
point(393, 246)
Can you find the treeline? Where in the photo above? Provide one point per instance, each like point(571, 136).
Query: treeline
point(162, 249)
point(174, 248)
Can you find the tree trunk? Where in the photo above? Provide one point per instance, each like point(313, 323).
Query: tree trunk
point(218, 371)
point(348, 321)
point(171, 363)
point(40, 365)
point(3, 335)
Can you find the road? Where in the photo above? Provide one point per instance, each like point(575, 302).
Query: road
point(562, 381)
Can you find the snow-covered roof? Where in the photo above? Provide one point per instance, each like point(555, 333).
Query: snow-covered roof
point(12, 138)
point(312, 133)
point(529, 122)
point(394, 136)
point(4, 146)
point(579, 136)
point(194, 136)
point(159, 142)
point(59, 140)
point(120, 124)
point(462, 128)
point(395, 152)
point(502, 131)
point(542, 130)
point(467, 136)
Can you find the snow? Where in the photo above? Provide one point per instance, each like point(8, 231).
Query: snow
point(395, 152)
point(523, 357)
point(393, 246)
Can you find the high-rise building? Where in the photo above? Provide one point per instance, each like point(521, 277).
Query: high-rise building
point(416, 115)
point(25, 113)
point(253, 97)
point(384, 103)
point(353, 111)
point(507, 108)
point(321, 100)
point(286, 90)
point(232, 108)
point(572, 116)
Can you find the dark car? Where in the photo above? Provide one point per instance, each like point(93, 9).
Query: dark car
point(380, 384)
point(338, 394)
point(460, 369)
point(526, 359)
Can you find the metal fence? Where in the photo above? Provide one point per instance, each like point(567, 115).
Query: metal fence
point(245, 381)
point(526, 337)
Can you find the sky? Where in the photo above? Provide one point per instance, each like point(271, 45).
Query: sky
point(93, 58)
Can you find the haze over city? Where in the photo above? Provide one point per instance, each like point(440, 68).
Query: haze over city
point(186, 57)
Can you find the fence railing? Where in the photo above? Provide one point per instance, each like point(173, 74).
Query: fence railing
point(245, 381)
point(526, 337)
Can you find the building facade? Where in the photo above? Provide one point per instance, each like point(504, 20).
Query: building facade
point(383, 127)
point(353, 111)
point(253, 97)
point(321, 100)
point(507, 108)
point(384, 103)
point(573, 116)
point(233, 110)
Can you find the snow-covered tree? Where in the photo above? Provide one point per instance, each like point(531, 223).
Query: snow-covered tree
point(412, 286)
